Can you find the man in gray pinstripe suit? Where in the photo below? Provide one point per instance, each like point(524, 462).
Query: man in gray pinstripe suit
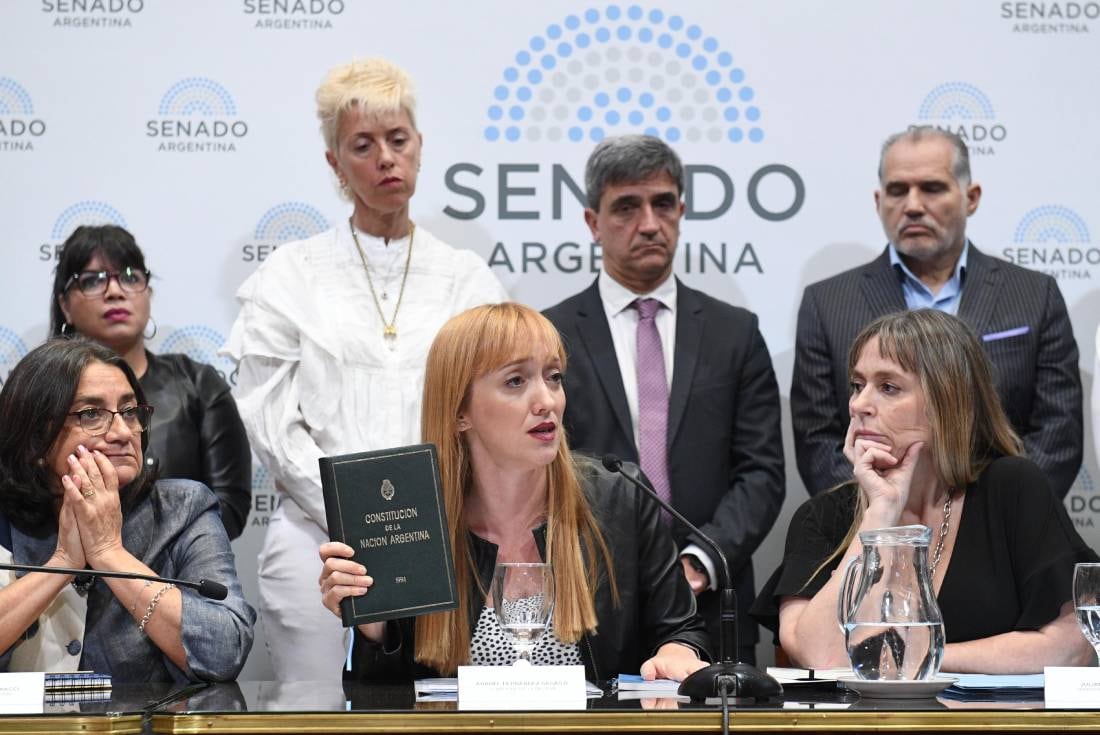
point(924, 198)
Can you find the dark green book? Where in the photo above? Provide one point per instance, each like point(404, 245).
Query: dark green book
point(388, 506)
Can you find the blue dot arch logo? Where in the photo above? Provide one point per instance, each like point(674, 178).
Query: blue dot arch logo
point(197, 96)
point(290, 221)
point(88, 212)
point(956, 100)
point(262, 479)
point(14, 99)
point(201, 344)
point(1052, 223)
point(1084, 483)
point(623, 69)
point(12, 350)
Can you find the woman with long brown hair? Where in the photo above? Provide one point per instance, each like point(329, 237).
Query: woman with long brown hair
point(930, 444)
point(493, 404)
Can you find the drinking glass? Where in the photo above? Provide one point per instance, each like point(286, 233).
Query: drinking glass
point(1086, 599)
point(523, 600)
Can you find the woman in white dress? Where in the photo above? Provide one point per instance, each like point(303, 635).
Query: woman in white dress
point(332, 339)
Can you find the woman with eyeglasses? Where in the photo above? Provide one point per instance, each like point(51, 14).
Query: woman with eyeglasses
point(75, 493)
point(101, 290)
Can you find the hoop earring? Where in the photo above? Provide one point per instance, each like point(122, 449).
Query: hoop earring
point(65, 326)
point(154, 334)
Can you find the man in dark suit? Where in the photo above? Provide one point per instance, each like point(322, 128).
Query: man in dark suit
point(664, 375)
point(924, 198)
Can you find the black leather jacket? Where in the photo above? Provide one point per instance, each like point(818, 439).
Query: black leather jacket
point(197, 433)
point(656, 604)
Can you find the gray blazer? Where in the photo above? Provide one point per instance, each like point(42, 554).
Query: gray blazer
point(175, 530)
point(1019, 313)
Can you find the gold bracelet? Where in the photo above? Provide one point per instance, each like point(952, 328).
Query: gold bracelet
point(153, 606)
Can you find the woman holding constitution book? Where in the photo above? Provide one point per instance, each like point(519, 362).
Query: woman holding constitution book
point(493, 405)
point(75, 493)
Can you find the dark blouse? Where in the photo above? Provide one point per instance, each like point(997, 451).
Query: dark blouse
point(197, 433)
point(1011, 568)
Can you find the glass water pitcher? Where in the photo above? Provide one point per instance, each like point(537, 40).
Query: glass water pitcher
point(887, 611)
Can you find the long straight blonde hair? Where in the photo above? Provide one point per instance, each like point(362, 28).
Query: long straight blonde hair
point(470, 345)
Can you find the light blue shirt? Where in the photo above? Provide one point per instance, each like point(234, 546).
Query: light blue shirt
point(919, 296)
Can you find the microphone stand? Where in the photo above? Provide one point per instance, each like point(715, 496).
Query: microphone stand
point(205, 587)
point(725, 676)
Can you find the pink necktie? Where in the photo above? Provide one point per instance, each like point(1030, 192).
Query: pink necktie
point(652, 400)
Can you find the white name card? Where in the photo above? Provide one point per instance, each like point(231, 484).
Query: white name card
point(22, 693)
point(521, 687)
point(1072, 686)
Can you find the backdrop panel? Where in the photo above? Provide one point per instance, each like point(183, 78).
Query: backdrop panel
point(192, 124)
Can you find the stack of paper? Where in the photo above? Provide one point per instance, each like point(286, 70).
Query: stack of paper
point(446, 690)
point(633, 686)
point(436, 690)
point(994, 687)
point(635, 682)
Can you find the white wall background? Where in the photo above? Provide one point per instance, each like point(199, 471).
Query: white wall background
point(82, 83)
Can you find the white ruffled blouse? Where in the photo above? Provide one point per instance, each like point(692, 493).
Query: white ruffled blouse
point(316, 377)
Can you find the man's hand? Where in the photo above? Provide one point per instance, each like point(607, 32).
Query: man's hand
point(673, 661)
point(698, 580)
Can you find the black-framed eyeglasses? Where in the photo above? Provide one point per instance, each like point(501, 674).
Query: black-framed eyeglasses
point(94, 283)
point(96, 421)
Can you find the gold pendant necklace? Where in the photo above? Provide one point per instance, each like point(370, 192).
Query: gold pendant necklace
point(389, 331)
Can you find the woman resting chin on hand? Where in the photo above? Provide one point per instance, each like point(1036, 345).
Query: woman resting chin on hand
point(930, 444)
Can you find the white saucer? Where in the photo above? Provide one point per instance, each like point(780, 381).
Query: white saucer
point(885, 689)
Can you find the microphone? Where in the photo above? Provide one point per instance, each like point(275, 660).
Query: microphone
point(726, 674)
point(205, 587)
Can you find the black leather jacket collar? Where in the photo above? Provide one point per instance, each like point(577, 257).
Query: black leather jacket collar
point(197, 433)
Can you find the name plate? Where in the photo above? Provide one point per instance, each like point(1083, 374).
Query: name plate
point(1072, 686)
point(388, 506)
point(521, 687)
point(22, 693)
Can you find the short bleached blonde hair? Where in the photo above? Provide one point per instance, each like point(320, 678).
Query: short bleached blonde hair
point(375, 85)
